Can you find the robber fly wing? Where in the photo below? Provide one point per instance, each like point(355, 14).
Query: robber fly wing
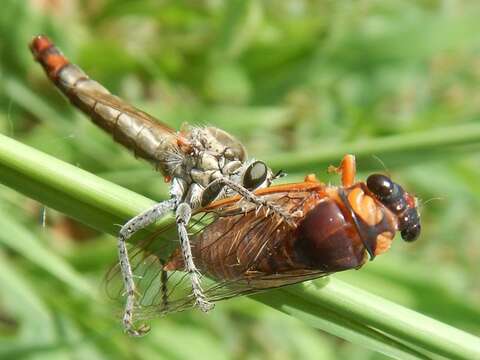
point(114, 102)
point(138, 131)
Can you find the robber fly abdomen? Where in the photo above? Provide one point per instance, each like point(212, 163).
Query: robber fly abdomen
point(136, 130)
point(203, 164)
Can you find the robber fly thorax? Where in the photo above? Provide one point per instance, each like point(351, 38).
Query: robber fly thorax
point(203, 164)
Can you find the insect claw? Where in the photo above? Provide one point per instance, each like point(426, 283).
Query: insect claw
point(141, 331)
point(204, 305)
point(297, 214)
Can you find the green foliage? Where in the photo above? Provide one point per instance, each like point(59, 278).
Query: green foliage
point(300, 83)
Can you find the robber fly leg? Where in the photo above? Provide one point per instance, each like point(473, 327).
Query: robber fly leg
point(183, 215)
point(254, 199)
point(132, 226)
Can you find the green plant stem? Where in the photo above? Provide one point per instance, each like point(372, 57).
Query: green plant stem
point(321, 317)
point(395, 150)
point(102, 204)
point(391, 318)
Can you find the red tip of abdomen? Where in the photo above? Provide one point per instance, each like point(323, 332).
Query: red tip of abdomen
point(45, 52)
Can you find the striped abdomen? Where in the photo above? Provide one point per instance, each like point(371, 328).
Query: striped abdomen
point(135, 129)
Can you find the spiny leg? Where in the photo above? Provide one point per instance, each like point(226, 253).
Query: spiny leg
point(254, 199)
point(131, 227)
point(183, 215)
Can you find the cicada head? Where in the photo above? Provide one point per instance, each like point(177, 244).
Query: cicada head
point(397, 200)
point(379, 208)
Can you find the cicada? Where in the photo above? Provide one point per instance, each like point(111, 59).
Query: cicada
point(242, 249)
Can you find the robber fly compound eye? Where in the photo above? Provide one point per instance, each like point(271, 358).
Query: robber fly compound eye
point(210, 193)
point(255, 175)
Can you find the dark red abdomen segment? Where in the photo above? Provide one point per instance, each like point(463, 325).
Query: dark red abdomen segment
point(328, 240)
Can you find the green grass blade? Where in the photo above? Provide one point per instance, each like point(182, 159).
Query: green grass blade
point(393, 150)
point(73, 191)
point(19, 239)
point(102, 204)
point(390, 318)
point(320, 317)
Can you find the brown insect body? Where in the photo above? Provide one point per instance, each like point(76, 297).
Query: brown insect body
point(243, 249)
point(260, 250)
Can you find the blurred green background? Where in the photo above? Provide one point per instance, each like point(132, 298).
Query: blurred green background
point(282, 76)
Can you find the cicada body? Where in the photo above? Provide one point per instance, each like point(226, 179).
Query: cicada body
point(245, 250)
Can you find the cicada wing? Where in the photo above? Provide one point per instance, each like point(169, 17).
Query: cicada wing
point(146, 266)
point(180, 297)
point(147, 258)
point(261, 233)
point(246, 234)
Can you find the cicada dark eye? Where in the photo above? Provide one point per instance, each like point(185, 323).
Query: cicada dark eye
point(380, 185)
point(411, 233)
point(409, 224)
point(255, 175)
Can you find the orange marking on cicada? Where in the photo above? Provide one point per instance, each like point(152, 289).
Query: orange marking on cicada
point(311, 178)
point(295, 187)
point(411, 201)
point(365, 206)
point(349, 170)
point(384, 242)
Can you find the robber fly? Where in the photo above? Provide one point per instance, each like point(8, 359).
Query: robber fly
point(244, 250)
point(202, 164)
